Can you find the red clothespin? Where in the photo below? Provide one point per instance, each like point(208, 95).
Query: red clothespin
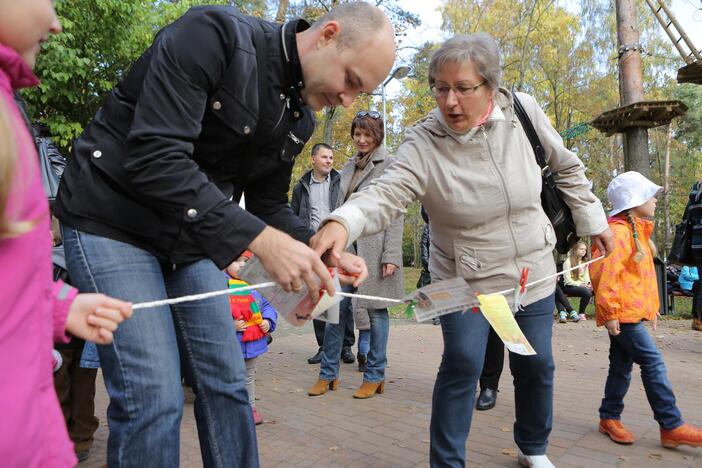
point(520, 290)
point(475, 309)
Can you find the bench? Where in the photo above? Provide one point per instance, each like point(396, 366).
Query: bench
point(672, 294)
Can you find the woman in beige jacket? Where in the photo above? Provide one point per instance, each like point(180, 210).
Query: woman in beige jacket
point(471, 165)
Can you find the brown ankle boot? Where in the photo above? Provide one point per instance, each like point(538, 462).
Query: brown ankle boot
point(616, 431)
point(696, 324)
point(369, 389)
point(321, 387)
point(687, 434)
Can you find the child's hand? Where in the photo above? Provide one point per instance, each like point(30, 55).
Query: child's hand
point(240, 325)
point(613, 327)
point(265, 326)
point(94, 317)
point(654, 323)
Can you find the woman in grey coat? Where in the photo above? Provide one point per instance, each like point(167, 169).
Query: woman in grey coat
point(382, 253)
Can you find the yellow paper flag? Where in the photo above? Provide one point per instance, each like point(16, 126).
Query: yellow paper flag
point(497, 312)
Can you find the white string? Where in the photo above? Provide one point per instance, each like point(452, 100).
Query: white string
point(197, 297)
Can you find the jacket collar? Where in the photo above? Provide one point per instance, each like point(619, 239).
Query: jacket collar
point(644, 226)
point(14, 71)
point(291, 60)
point(437, 125)
point(306, 178)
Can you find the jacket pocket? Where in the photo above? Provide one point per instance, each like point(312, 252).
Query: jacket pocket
point(468, 260)
point(549, 235)
point(233, 114)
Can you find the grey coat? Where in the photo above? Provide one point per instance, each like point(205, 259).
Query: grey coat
point(376, 249)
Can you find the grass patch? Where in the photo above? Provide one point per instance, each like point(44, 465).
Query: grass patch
point(411, 276)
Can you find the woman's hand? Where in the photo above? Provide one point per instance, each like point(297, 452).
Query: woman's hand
point(613, 327)
point(94, 317)
point(352, 268)
point(333, 237)
point(388, 269)
point(265, 326)
point(604, 242)
point(240, 325)
point(291, 263)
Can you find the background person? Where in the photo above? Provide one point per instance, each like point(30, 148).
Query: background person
point(577, 282)
point(314, 196)
point(382, 253)
point(471, 165)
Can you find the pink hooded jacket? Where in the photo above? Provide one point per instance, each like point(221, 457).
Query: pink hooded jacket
point(33, 309)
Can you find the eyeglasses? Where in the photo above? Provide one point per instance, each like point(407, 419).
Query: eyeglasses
point(371, 114)
point(442, 91)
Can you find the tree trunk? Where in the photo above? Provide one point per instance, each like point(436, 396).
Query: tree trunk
point(636, 156)
point(666, 187)
point(282, 9)
point(327, 134)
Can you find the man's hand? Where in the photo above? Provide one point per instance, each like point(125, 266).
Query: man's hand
point(613, 327)
point(332, 236)
point(388, 269)
point(604, 242)
point(291, 263)
point(94, 317)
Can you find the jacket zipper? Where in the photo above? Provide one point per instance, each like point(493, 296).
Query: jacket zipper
point(509, 205)
point(282, 113)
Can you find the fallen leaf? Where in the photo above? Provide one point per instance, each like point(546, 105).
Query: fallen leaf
point(509, 451)
point(333, 448)
point(655, 456)
point(506, 429)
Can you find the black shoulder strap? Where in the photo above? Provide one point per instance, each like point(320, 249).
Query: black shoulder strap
point(533, 138)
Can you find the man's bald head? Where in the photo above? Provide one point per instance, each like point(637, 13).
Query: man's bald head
point(359, 21)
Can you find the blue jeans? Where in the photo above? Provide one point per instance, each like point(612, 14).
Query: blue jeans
point(465, 339)
point(634, 345)
point(377, 355)
point(142, 367)
point(364, 337)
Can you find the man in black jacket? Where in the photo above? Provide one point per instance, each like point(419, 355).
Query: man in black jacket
point(220, 104)
point(313, 198)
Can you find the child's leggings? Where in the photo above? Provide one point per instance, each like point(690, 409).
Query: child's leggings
point(251, 379)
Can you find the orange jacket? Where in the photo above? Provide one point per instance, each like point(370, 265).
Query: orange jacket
point(624, 289)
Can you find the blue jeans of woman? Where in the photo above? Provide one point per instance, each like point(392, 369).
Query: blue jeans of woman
point(377, 355)
point(142, 367)
point(465, 338)
point(635, 345)
point(364, 341)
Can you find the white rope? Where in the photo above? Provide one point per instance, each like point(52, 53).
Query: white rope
point(197, 297)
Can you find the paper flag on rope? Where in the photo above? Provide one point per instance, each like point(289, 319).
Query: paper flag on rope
point(496, 310)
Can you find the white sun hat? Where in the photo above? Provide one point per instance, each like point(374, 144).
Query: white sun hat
point(629, 190)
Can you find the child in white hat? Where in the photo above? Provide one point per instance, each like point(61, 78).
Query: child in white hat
point(626, 294)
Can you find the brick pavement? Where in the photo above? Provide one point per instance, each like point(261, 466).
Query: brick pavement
point(392, 429)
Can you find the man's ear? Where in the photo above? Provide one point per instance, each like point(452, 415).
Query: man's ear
point(329, 33)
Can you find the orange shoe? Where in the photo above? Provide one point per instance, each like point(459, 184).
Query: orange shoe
point(369, 389)
point(616, 431)
point(696, 324)
point(321, 387)
point(687, 434)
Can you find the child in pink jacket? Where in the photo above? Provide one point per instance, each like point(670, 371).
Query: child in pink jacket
point(34, 311)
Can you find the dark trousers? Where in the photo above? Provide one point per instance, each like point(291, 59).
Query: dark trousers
point(562, 302)
point(585, 294)
point(494, 361)
point(75, 388)
point(349, 334)
point(697, 297)
point(465, 339)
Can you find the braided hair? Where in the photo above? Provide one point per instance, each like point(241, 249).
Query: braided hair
point(639, 255)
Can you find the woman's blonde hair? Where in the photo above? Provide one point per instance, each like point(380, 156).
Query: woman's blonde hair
point(575, 260)
point(8, 161)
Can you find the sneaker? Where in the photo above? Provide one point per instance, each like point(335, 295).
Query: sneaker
point(347, 356)
point(534, 461)
point(616, 431)
point(574, 316)
point(258, 419)
point(317, 358)
point(583, 317)
point(562, 316)
point(362, 362)
point(687, 434)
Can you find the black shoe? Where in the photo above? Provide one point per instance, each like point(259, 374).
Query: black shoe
point(347, 356)
point(362, 362)
point(82, 455)
point(317, 358)
point(486, 400)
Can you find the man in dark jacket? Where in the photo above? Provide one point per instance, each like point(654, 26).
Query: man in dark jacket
point(220, 104)
point(313, 198)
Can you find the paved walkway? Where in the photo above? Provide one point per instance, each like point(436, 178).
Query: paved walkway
point(392, 429)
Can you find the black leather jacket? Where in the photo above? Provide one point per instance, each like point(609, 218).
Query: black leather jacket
point(174, 142)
